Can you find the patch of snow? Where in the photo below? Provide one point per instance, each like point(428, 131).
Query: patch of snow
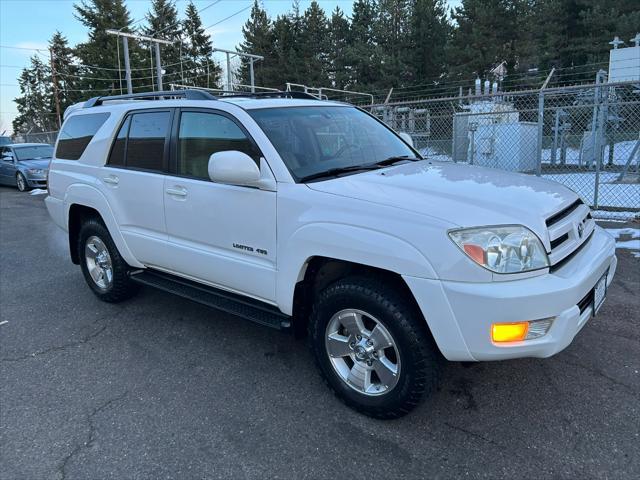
point(38, 191)
point(610, 194)
point(632, 244)
point(619, 216)
point(621, 152)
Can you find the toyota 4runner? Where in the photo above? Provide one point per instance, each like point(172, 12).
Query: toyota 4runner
point(315, 216)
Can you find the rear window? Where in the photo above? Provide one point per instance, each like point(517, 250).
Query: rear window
point(76, 134)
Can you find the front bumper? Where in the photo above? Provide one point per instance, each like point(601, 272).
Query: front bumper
point(37, 181)
point(460, 314)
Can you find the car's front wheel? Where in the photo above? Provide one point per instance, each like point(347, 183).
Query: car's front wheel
point(373, 347)
point(21, 182)
point(104, 270)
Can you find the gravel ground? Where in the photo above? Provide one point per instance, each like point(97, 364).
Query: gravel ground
point(159, 387)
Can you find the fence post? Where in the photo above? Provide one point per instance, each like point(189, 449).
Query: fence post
point(540, 131)
point(597, 127)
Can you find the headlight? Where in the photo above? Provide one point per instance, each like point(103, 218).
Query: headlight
point(509, 249)
point(35, 171)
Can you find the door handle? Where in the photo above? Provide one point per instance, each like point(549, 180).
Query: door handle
point(111, 180)
point(177, 191)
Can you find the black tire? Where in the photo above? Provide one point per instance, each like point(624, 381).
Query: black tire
point(121, 288)
point(21, 183)
point(420, 358)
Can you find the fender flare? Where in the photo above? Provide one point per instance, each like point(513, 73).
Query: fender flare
point(89, 196)
point(349, 243)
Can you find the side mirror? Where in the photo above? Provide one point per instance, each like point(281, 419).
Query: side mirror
point(234, 168)
point(407, 138)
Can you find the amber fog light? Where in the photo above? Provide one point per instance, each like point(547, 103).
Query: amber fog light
point(518, 331)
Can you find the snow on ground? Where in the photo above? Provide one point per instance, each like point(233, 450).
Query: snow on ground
point(610, 194)
point(627, 238)
point(621, 152)
point(38, 191)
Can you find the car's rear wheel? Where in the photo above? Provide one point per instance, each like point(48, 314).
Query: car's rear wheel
point(21, 182)
point(104, 270)
point(372, 347)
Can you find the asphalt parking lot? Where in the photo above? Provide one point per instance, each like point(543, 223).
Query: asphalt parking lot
point(162, 388)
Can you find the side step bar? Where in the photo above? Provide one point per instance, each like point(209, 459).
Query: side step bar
point(248, 308)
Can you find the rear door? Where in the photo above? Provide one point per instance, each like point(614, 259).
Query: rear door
point(133, 182)
point(224, 235)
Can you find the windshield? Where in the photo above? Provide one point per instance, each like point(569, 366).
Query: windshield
point(312, 140)
point(31, 153)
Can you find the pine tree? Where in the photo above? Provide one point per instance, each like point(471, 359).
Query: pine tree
point(313, 46)
point(337, 49)
point(203, 71)
point(258, 40)
point(66, 71)
point(361, 55)
point(287, 60)
point(486, 35)
point(392, 38)
point(101, 55)
point(429, 35)
point(162, 22)
point(34, 104)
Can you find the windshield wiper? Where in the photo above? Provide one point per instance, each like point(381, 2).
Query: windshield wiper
point(333, 172)
point(395, 159)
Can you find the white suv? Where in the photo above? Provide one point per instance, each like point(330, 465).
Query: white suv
point(315, 216)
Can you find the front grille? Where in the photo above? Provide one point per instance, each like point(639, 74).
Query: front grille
point(569, 229)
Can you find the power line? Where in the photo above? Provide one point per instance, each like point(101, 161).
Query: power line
point(230, 16)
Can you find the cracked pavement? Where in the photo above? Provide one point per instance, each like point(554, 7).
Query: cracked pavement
point(159, 387)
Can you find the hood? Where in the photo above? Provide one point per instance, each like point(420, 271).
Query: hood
point(466, 196)
point(40, 163)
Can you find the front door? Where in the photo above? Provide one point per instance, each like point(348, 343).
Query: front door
point(224, 235)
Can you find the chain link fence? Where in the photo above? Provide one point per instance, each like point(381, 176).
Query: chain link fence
point(585, 137)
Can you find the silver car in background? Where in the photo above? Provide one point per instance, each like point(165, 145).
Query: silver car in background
point(25, 165)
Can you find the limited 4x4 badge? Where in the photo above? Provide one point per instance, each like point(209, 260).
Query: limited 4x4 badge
point(247, 248)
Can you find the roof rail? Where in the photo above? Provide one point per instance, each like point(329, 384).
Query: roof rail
point(186, 94)
point(278, 94)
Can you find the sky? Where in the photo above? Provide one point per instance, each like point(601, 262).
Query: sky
point(27, 25)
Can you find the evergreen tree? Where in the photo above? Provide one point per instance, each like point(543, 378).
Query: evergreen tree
point(66, 71)
point(361, 54)
point(428, 39)
point(288, 66)
point(339, 72)
point(258, 40)
point(99, 54)
point(162, 22)
point(486, 35)
point(313, 46)
point(34, 104)
point(203, 71)
point(392, 30)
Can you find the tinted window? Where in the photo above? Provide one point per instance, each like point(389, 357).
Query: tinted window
point(147, 134)
point(312, 140)
point(117, 151)
point(76, 134)
point(202, 134)
point(30, 153)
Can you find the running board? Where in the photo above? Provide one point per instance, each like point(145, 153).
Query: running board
point(248, 308)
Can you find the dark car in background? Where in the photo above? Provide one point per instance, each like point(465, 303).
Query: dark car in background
point(25, 165)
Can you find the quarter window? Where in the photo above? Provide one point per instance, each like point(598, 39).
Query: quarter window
point(202, 134)
point(76, 134)
point(147, 136)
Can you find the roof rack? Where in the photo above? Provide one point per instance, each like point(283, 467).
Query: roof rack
point(186, 94)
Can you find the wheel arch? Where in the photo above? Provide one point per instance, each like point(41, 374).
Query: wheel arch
point(84, 201)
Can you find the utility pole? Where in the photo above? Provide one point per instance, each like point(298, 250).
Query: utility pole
point(56, 91)
point(127, 65)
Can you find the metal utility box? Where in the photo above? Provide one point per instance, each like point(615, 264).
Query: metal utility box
point(507, 146)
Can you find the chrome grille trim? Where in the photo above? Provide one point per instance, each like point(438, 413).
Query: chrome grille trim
point(575, 224)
